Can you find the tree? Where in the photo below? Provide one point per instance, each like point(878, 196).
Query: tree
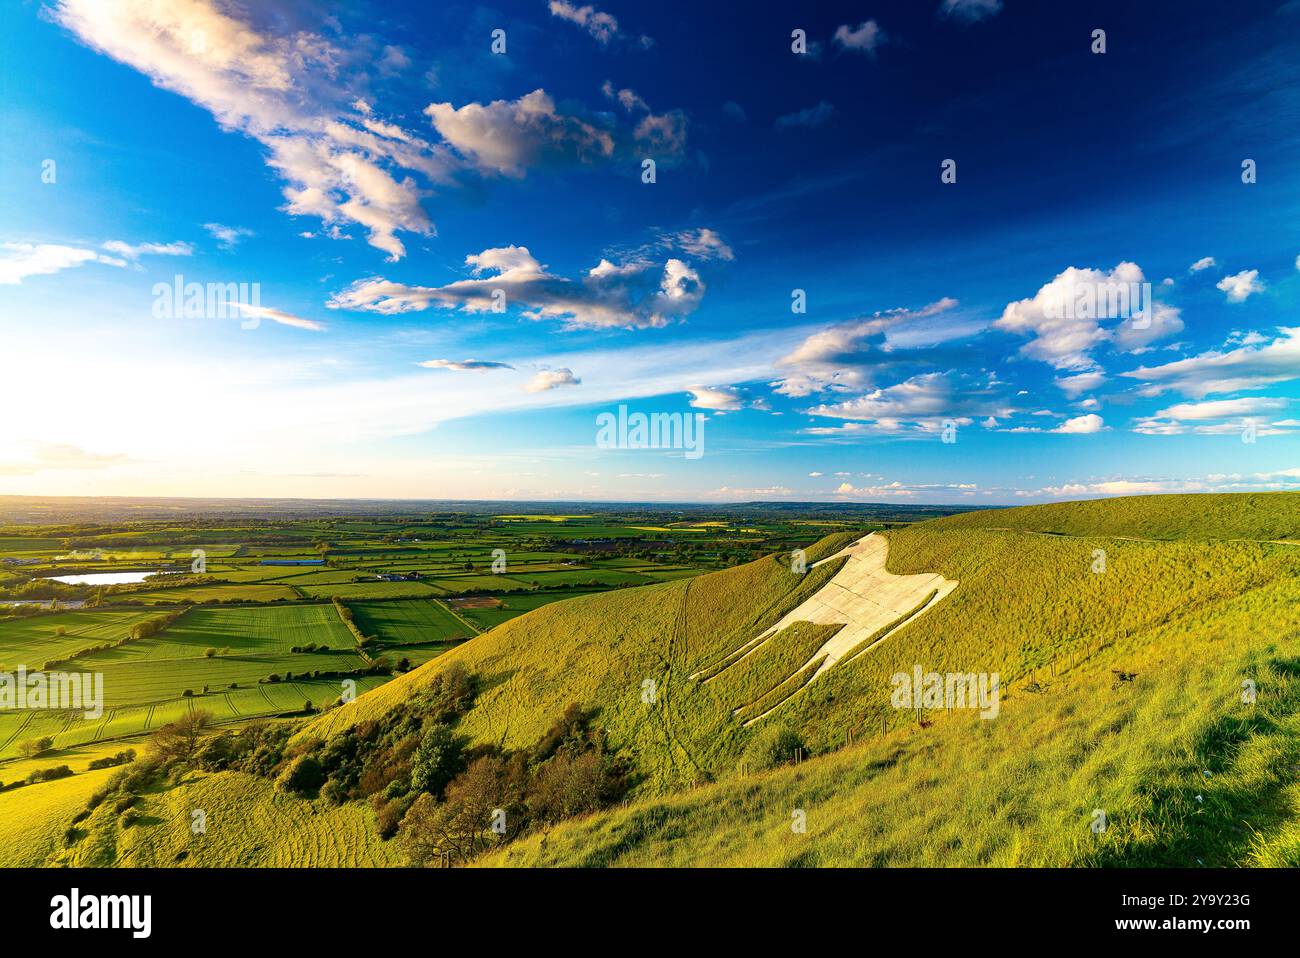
point(483, 808)
point(179, 741)
point(438, 759)
point(36, 746)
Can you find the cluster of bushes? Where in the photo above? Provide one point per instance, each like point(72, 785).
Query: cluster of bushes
point(174, 580)
point(535, 587)
point(257, 750)
point(40, 775)
point(49, 774)
point(188, 601)
point(500, 795)
point(110, 761)
point(142, 630)
point(376, 667)
point(21, 611)
point(311, 647)
point(449, 801)
point(176, 748)
point(770, 746)
point(363, 760)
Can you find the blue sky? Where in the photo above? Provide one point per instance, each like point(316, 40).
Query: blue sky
point(377, 174)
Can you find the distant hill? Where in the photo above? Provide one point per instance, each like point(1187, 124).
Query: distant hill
point(60, 510)
point(1256, 515)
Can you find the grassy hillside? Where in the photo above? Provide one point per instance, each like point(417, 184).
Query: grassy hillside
point(1018, 791)
point(247, 825)
point(1030, 607)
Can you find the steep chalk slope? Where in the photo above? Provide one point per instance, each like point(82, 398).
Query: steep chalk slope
point(866, 599)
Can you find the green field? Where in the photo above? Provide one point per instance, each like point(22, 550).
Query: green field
point(235, 592)
point(406, 622)
point(33, 641)
point(253, 631)
point(512, 605)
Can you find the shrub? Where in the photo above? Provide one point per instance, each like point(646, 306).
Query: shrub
point(302, 776)
point(772, 745)
point(437, 761)
point(569, 785)
point(388, 815)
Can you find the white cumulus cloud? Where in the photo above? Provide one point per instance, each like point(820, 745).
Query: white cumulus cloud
point(1239, 286)
point(552, 379)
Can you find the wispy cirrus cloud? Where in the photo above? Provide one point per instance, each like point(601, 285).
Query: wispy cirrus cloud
point(227, 237)
point(49, 457)
point(18, 261)
point(812, 116)
point(464, 365)
point(702, 244)
point(259, 312)
point(21, 260)
point(134, 252)
point(1220, 371)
